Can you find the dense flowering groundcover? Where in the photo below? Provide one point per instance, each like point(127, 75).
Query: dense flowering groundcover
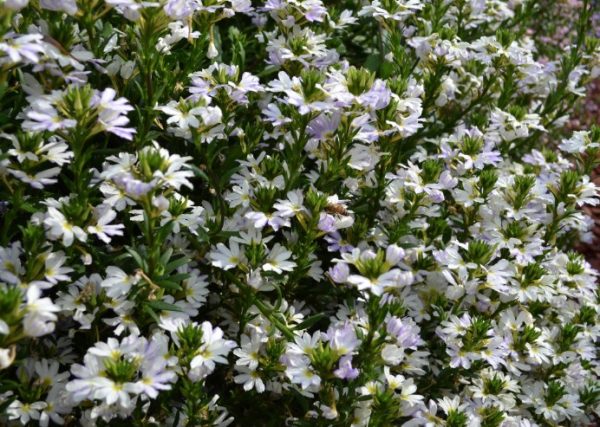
point(302, 213)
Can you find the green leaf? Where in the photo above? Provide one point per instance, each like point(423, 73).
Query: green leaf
point(165, 257)
point(372, 62)
point(225, 177)
point(199, 172)
point(169, 284)
point(137, 258)
point(173, 265)
point(177, 277)
point(164, 231)
point(163, 306)
point(28, 207)
point(307, 323)
point(151, 313)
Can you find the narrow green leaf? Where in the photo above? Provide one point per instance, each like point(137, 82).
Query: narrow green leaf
point(199, 172)
point(163, 306)
point(173, 265)
point(151, 313)
point(169, 284)
point(137, 258)
point(307, 323)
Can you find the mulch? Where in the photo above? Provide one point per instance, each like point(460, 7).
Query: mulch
point(588, 115)
point(592, 250)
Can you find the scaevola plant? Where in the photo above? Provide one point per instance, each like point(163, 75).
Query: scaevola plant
point(296, 213)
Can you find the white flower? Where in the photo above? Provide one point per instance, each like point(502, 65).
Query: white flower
point(225, 257)
point(112, 392)
point(392, 354)
point(250, 380)
point(212, 50)
point(40, 179)
point(24, 412)
point(249, 352)
point(213, 350)
point(103, 216)
point(391, 279)
point(277, 260)
point(56, 271)
point(578, 143)
point(117, 282)
point(240, 195)
point(156, 377)
point(304, 376)
point(183, 119)
point(39, 313)
point(58, 226)
point(292, 206)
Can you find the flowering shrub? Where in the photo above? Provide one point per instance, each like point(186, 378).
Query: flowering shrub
point(302, 212)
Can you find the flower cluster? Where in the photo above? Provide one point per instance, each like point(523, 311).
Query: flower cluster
point(296, 212)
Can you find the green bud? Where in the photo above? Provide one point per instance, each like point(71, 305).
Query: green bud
point(373, 267)
point(519, 195)
point(315, 201)
point(471, 145)
point(528, 335)
point(487, 181)
point(590, 395)
point(479, 252)
point(359, 80)
point(255, 253)
point(575, 264)
point(190, 337)
point(456, 419)
point(554, 393)
point(265, 197)
point(494, 385)
point(150, 161)
point(311, 82)
point(476, 337)
point(586, 316)
point(505, 37)
point(322, 358)
point(431, 170)
point(568, 335)
point(121, 370)
point(10, 300)
point(491, 416)
point(532, 274)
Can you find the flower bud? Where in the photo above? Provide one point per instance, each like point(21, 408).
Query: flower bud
point(339, 272)
point(394, 254)
point(7, 356)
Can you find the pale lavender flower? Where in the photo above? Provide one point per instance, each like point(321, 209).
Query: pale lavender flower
point(336, 243)
point(339, 273)
point(405, 331)
point(324, 126)
point(326, 223)
point(46, 118)
point(342, 338)
point(132, 186)
point(112, 113)
point(179, 9)
point(22, 48)
point(377, 97)
point(345, 370)
point(16, 4)
point(67, 6)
